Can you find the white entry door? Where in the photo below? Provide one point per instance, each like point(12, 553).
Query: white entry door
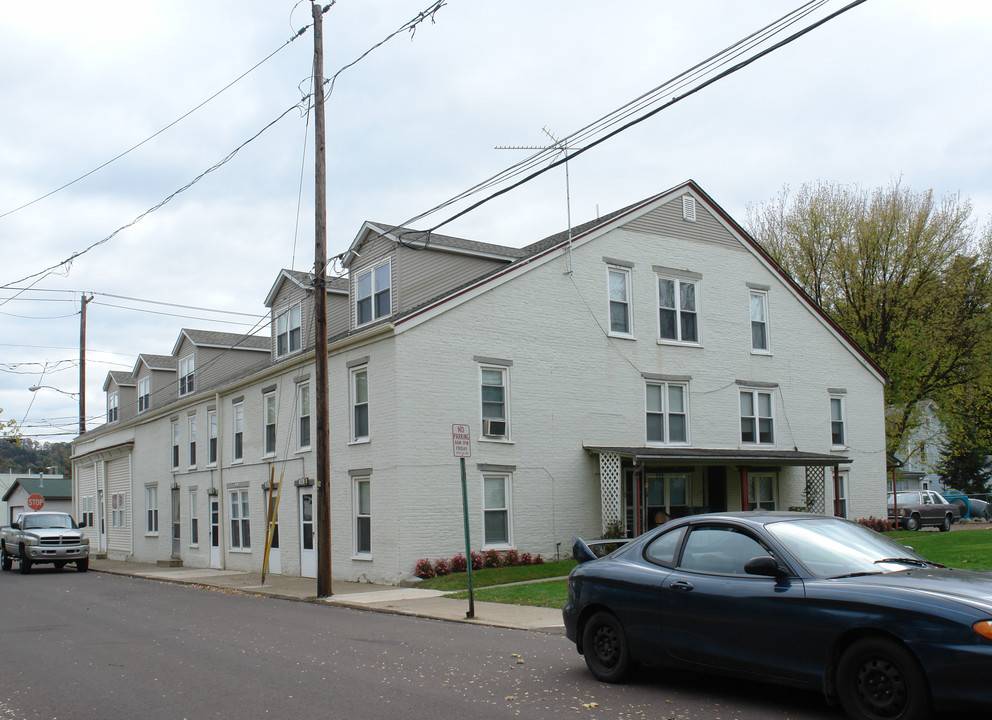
point(308, 550)
point(214, 532)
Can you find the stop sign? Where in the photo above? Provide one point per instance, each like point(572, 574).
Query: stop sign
point(36, 502)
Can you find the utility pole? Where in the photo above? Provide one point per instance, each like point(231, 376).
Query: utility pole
point(320, 317)
point(82, 363)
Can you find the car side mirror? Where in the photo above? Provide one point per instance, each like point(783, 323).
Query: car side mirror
point(16, 525)
point(81, 524)
point(764, 565)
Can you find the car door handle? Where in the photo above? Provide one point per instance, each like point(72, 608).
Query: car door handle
point(681, 586)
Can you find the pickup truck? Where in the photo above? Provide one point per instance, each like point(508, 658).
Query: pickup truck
point(44, 537)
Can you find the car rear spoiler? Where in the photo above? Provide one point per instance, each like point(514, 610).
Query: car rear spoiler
point(584, 551)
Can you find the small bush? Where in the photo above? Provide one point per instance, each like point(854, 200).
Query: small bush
point(491, 559)
point(538, 560)
point(442, 567)
point(876, 524)
point(459, 564)
point(511, 558)
point(526, 559)
point(476, 560)
point(424, 569)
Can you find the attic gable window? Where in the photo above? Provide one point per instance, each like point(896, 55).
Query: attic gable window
point(372, 294)
point(288, 334)
point(113, 402)
point(186, 367)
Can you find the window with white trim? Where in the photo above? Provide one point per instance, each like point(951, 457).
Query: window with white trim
point(621, 322)
point(757, 417)
point(87, 503)
point(303, 420)
point(362, 492)
point(194, 520)
point(495, 405)
point(269, 417)
point(288, 331)
point(186, 375)
point(192, 441)
point(240, 521)
point(372, 294)
point(762, 492)
point(837, 421)
point(113, 400)
point(239, 431)
point(144, 394)
point(211, 437)
point(667, 407)
point(496, 520)
point(359, 404)
point(759, 321)
point(175, 445)
point(151, 510)
point(118, 510)
point(678, 318)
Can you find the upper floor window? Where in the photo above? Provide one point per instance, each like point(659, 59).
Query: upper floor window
point(144, 393)
point(175, 445)
point(288, 331)
point(192, 441)
point(112, 407)
point(678, 318)
point(186, 375)
point(759, 321)
point(495, 408)
point(372, 299)
point(269, 410)
point(212, 437)
point(757, 419)
point(359, 404)
point(239, 431)
point(667, 413)
point(619, 290)
point(837, 421)
point(303, 406)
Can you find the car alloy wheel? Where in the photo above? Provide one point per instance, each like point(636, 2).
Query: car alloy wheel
point(913, 522)
point(604, 646)
point(946, 525)
point(878, 679)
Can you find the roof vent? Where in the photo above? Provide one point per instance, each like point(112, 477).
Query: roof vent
point(688, 208)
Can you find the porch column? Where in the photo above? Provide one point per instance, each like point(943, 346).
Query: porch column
point(609, 488)
point(745, 505)
point(837, 512)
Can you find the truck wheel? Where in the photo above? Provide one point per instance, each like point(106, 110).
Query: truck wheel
point(5, 560)
point(25, 565)
point(83, 565)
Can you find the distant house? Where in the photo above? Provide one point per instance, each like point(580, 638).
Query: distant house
point(652, 363)
point(55, 492)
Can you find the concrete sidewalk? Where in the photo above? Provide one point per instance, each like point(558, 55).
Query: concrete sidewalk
point(378, 598)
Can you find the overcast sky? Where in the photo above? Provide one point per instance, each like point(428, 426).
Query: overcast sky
point(891, 89)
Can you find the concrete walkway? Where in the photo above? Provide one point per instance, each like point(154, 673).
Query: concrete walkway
point(379, 598)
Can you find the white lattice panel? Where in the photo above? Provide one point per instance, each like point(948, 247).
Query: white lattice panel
point(609, 487)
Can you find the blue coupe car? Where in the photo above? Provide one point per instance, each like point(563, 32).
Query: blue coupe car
point(804, 600)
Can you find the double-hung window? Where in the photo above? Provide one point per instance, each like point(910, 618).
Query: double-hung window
point(288, 331)
point(303, 421)
point(144, 393)
point(151, 510)
point(757, 417)
point(175, 445)
point(269, 411)
point(186, 374)
point(239, 431)
point(372, 294)
point(212, 437)
point(240, 521)
point(194, 520)
point(678, 313)
point(360, 404)
point(621, 320)
point(667, 412)
point(113, 401)
point(362, 489)
point(759, 321)
point(496, 510)
point(837, 434)
point(495, 408)
point(192, 441)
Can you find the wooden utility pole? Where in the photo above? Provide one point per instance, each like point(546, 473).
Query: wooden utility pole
point(320, 318)
point(82, 363)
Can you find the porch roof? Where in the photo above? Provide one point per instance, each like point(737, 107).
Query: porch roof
point(721, 456)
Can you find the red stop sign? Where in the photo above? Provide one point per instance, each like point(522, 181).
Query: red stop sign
point(36, 502)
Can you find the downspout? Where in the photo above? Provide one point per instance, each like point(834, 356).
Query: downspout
point(220, 482)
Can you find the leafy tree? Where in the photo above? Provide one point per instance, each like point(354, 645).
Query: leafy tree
point(906, 275)
point(964, 463)
point(8, 430)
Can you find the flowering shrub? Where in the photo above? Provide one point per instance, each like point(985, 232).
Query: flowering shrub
point(424, 569)
point(511, 558)
point(442, 567)
point(459, 563)
point(538, 560)
point(491, 559)
point(876, 524)
point(526, 559)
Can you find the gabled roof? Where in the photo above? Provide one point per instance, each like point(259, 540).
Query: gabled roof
point(223, 340)
point(420, 240)
point(119, 378)
point(155, 362)
point(49, 488)
point(304, 281)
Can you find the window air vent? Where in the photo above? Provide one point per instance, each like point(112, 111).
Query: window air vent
point(688, 208)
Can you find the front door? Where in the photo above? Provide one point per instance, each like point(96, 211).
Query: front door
point(214, 532)
point(176, 527)
point(308, 551)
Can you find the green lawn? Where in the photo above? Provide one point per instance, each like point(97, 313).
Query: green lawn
point(499, 576)
point(966, 549)
point(551, 594)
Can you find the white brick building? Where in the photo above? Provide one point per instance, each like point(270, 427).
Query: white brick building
point(659, 363)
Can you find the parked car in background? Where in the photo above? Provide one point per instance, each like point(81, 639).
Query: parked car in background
point(922, 508)
point(810, 601)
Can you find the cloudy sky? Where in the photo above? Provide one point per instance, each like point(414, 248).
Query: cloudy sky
point(891, 89)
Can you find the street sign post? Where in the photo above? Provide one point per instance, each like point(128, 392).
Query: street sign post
point(461, 442)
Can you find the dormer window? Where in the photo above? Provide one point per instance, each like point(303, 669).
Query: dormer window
point(372, 300)
point(112, 406)
point(186, 367)
point(288, 331)
point(144, 394)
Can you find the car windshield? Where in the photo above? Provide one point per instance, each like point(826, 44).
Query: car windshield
point(48, 520)
point(906, 498)
point(832, 548)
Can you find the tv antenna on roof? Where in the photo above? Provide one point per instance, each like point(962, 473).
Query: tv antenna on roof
point(560, 146)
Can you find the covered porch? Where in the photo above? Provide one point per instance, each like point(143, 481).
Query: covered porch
point(642, 487)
